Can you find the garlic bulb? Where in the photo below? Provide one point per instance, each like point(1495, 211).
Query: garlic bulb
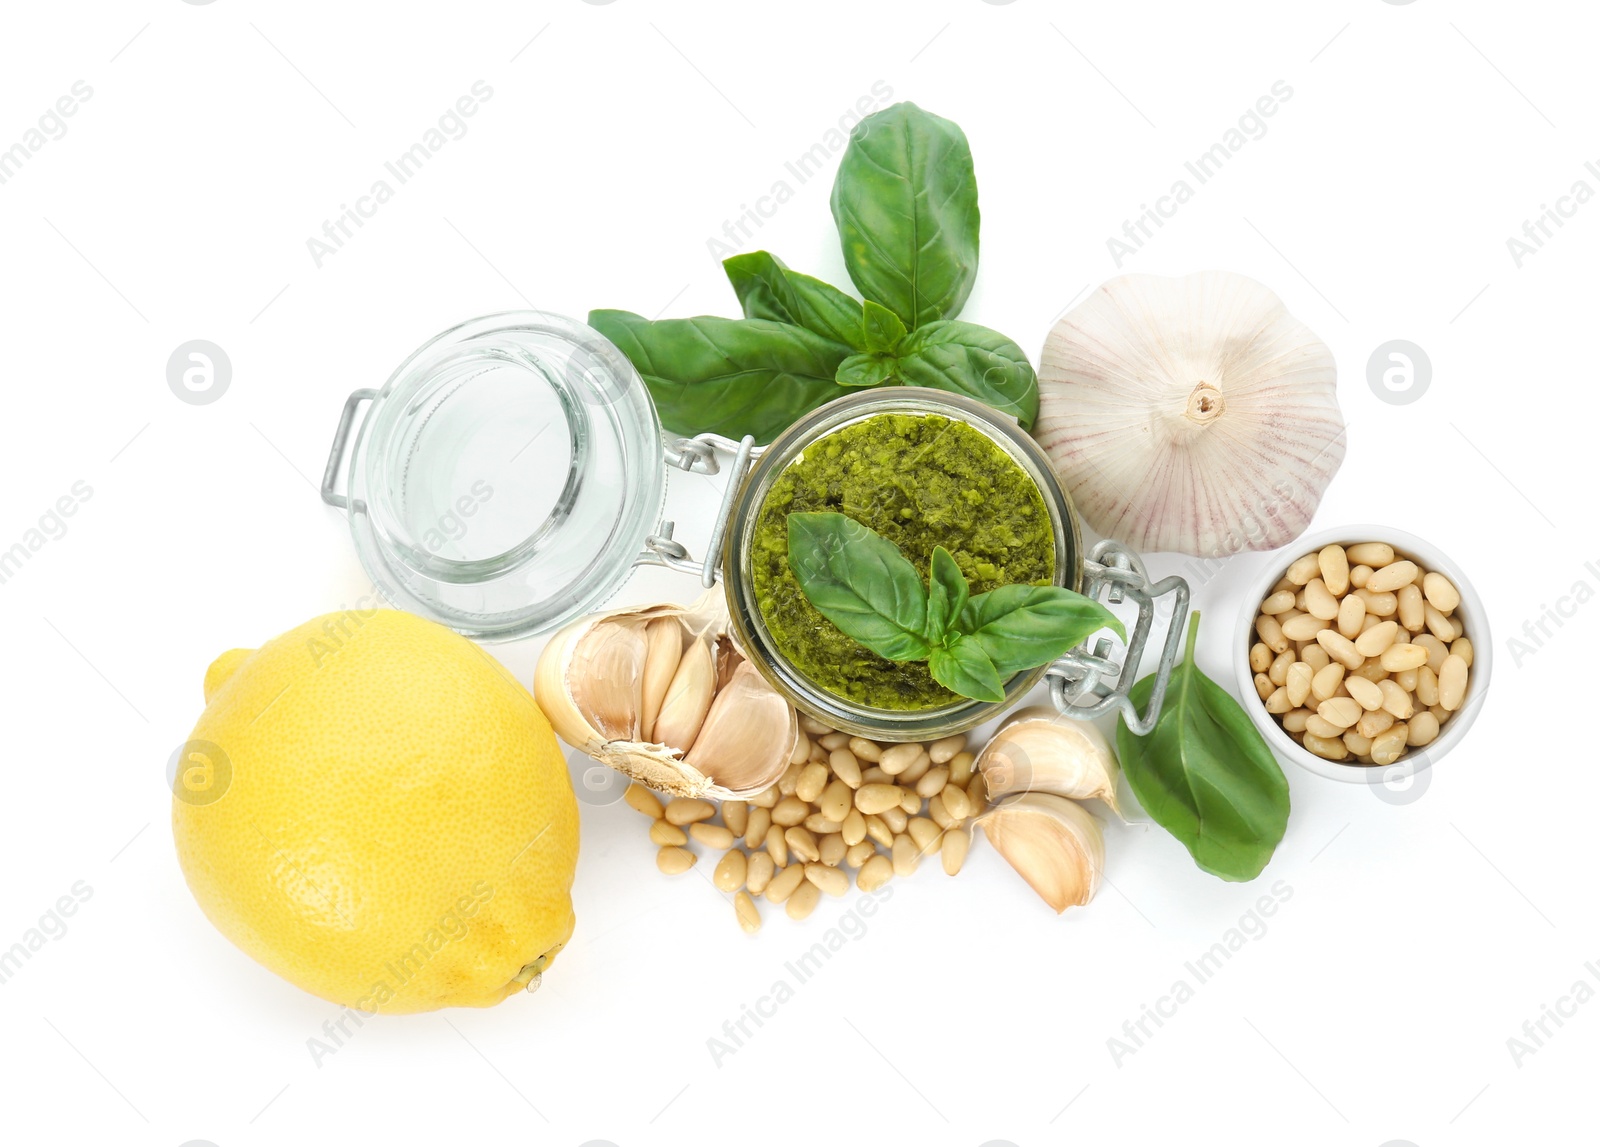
point(1052, 843)
point(662, 694)
point(1040, 750)
point(1192, 414)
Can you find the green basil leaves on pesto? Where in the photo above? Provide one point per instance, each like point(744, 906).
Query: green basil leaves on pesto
point(918, 482)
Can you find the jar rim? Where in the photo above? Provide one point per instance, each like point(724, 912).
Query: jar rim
point(749, 625)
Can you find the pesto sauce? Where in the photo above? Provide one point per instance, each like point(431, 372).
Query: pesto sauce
point(921, 481)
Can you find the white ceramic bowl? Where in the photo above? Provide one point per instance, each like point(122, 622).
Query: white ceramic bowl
point(1474, 619)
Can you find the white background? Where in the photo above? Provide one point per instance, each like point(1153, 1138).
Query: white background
point(1420, 935)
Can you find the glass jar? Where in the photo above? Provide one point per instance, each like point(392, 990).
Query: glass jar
point(1077, 678)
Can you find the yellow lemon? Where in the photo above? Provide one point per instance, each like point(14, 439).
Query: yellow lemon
point(374, 809)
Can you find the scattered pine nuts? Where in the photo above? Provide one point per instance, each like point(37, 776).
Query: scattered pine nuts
point(643, 800)
point(1358, 653)
point(664, 834)
point(673, 861)
point(684, 810)
point(748, 914)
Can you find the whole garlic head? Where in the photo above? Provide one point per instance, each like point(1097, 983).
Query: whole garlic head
point(1190, 414)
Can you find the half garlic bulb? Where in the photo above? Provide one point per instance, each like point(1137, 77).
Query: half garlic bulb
point(1190, 414)
point(662, 694)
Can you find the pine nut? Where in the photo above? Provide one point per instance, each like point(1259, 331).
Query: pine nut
point(783, 884)
point(767, 798)
point(946, 747)
point(830, 880)
point(846, 767)
point(673, 861)
point(916, 770)
point(790, 811)
point(749, 916)
point(663, 833)
point(1302, 628)
point(1398, 658)
point(1407, 680)
point(1260, 657)
point(961, 767)
point(1378, 604)
point(1271, 633)
point(1396, 700)
point(1440, 592)
point(711, 835)
point(736, 815)
point(1320, 602)
point(1365, 693)
point(1359, 576)
point(1438, 624)
point(910, 802)
point(1294, 721)
point(1374, 554)
point(940, 812)
point(1263, 685)
point(1280, 602)
point(642, 800)
point(803, 901)
point(1297, 684)
point(684, 810)
point(874, 874)
point(1410, 607)
point(1328, 748)
point(1340, 648)
point(904, 855)
point(853, 828)
point(932, 781)
point(1440, 714)
point(832, 741)
point(858, 854)
point(835, 801)
point(1356, 743)
point(802, 750)
point(819, 755)
point(1334, 565)
point(1278, 702)
point(1452, 683)
point(1340, 711)
point(879, 832)
point(875, 799)
point(953, 848)
point(865, 750)
point(1427, 687)
point(923, 832)
point(1315, 656)
point(1319, 726)
point(1388, 746)
point(875, 776)
point(813, 778)
point(831, 849)
point(1462, 647)
point(1375, 640)
point(756, 831)
point(1392, 576)
point(897, 758)
point(730, 872)
point(1423, 728)
point(801, 843)
point(977, 795)
point(956, 801)
point(895, 818)
point(1352, 611)
point(1325, 682)
point(1371, 724)
point(777, 847)
point(758, 872)
point(790, 777)
point(1304, 569)
point(813, 726)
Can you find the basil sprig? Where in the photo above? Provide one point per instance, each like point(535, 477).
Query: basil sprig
point(905, 201)
point(1205, 775)
point(863, 584)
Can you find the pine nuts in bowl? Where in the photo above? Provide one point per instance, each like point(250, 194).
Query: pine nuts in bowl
point(1368, 649)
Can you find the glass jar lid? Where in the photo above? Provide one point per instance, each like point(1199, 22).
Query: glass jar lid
point(506, 477)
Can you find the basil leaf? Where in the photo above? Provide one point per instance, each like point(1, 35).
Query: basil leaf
point(906, 203)
point(947, 594)
point(1205, 775)
point(861, 582)
point(962, 667)
point(865, 370)
point(727, 376)
point(964, 358)
point(883, 327)
point(767, 289)
point(1023, 626)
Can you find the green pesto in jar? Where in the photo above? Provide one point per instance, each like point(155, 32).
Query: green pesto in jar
point(921, 481)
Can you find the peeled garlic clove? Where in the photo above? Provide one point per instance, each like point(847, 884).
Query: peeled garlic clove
point(1039, 750)
point(749, 732)
point(1052, 843)
point(688, 698)
point(589, 682)
point(663, 649)
point(1192, 414)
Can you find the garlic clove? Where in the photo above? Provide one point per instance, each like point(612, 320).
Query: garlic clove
point(688, 698)
point(1190, 414)
point(748, 735)
point(1039, 750)
point(606, 677)
point(1052, 843)
point(663, 638)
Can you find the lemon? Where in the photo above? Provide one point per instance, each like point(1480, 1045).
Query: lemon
point(374, 809)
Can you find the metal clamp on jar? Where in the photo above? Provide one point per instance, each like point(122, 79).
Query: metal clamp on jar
point(512, 472)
